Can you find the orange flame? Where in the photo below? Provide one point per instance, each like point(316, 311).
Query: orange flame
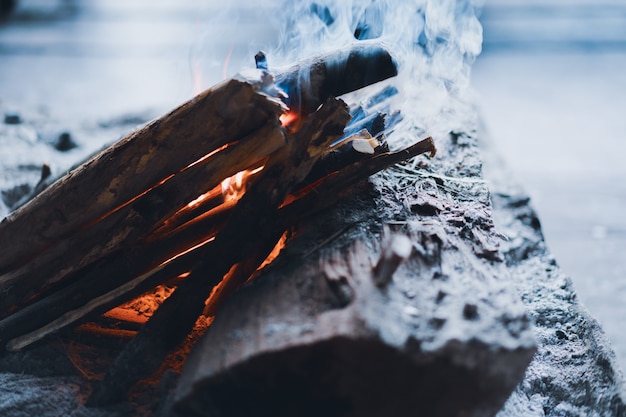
point(280, 245)
point(288, 118)
point(195, 203)
point(233, 188)
point(234, 279)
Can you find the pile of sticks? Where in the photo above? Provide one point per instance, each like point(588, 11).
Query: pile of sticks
point(155, 206)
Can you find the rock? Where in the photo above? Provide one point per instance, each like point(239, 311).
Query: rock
point(11, 118)
point(14, 196)
point(65, 142)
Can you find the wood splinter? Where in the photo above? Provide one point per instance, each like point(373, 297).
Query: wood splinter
point(396, 251)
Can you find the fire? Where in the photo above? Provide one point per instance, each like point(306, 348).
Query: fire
point(225, 195)
point(226, 62)
point(221, 197)
point(233, 188)
point(234, 279)
point(206, 196)
point(275, 252)
point(288, 119)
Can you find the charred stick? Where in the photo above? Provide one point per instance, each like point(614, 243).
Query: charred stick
point(334, 184)
point(113, 281)
point(373, 123)
point(356, 148)
point(74, 304)
point(310, 83)
point(241, 273)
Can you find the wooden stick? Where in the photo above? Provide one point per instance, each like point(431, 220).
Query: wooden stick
point(239, 275)
point(333, 185)
point(395, 250)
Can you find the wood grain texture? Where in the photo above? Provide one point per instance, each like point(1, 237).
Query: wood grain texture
point(217, 116)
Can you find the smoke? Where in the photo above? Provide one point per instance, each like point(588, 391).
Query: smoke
point(434, 42)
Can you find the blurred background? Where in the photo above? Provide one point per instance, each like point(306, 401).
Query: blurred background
point(551, 82)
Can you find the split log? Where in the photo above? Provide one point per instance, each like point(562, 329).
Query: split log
point(136, 163)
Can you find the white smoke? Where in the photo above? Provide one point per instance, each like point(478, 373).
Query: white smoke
point(434, 42)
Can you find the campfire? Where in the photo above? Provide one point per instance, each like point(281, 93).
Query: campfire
point(278, 245)
point(199, 199)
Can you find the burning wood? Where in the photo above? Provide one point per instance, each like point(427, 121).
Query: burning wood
point(311, 82)
point(157, 205)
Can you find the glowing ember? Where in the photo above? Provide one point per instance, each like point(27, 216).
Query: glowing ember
point(195, 203)
point(191, 249)
point(275, 252)
point(288, 118)
point(140, 309)
point(234, 279)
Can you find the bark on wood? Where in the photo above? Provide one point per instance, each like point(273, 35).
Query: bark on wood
point(144, 158)
point(121, 229)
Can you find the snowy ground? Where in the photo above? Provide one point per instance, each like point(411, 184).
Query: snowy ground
point(552, 82)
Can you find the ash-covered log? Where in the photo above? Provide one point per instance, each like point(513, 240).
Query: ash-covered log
point(345, 327)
